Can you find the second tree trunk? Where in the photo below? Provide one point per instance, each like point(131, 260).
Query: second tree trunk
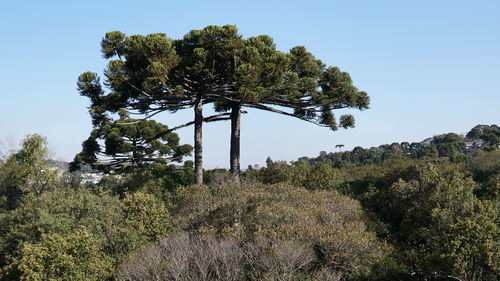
point(235, 143)
point(198, 145)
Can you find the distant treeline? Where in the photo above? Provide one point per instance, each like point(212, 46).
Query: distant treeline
point(453, 146)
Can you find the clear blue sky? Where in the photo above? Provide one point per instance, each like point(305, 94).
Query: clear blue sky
point(430, 67)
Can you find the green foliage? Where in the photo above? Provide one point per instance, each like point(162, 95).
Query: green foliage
point(253, 73)
point(119, 226)
point(130, 144)
point(489, 134)
point(312, 177)
point(427, 209)
point(158, 179)
point(439, 226)
point(466, 246)
point(78, 256)
point(418, 198)
point(61, 212)
point(485, 167)
point(147, 215)
point(448, 146)
point(428, 218)
point(26, 172)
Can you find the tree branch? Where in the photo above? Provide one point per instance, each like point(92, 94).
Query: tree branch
point(271, 109)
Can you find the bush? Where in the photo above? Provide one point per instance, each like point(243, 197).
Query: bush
point(148, 215)
point(204, 257)
point(441, 228)
point(78, 256)
point(118, 226)
point(312, 177)
point(325, 221)
point(485, 168)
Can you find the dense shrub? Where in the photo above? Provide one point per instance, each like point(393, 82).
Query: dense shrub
point(485, 169)
point(78, 256)
point(443, 229)
point(118, 226)
point(148, 215)
point(331, 224)
point(158, 179)
point(440, 220)
point(312, 177)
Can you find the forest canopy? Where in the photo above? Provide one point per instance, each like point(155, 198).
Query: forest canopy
point(396, 215)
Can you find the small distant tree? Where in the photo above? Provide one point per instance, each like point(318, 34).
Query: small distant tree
point(26, 171)
point(489, 134)
point(449, 145)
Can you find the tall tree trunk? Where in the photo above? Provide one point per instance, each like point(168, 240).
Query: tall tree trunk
point(235, 142)
point(198, 145)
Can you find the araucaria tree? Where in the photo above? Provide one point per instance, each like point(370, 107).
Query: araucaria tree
point(153, 74)
point(129, 144)
point(217, 65)
point(293, 84)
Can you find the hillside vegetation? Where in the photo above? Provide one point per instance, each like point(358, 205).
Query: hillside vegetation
point(426, 211)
